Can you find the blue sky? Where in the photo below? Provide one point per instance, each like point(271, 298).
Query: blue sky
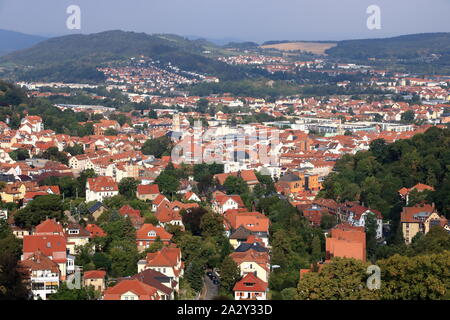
point(255, 20)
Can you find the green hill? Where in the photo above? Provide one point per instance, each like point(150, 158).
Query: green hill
point(75, 57)
point(402, 47)
point(12, 41)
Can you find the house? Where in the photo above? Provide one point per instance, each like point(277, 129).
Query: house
point(53, 246)
point(76, 235)
point(420, 187)
point(167, 261)
point(164, 285)
point(250, 287)
point(160, 198)
point(239, 236)
point(132, 289)
point(356, 215)
point(166, 215)
point(95, 231)
point(191, 196)
point(95, 278)
point(248, 176)
point(97, 209)
point(253, 262)
point(100, 188)
point(148, 234)
point(146, 192)
point(135, 215)
point(419, 218)
point(41, 274)
point(222, 202)
point(256, 222)
point(49, 227)
point(346, 241)
point(290, 183)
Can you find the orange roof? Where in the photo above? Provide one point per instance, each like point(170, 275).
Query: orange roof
point(147, 189)
point(143, 233)
point(127, 210)
point(250, 283)
point(102, 183)
point(166, 257)
point(51, 245)
point(253, 221)
point(94, 274)
point(49, 226)
point(95, 230)
point(142, 290)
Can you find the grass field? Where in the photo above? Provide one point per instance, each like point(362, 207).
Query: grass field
point(314, 47)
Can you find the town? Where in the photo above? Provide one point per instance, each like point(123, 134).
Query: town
point(156, 181)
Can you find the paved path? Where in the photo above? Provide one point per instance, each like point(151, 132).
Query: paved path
point(210, 289)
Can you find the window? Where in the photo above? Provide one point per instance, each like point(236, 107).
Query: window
point(152, 234)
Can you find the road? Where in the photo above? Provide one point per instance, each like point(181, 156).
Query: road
point(210, 290)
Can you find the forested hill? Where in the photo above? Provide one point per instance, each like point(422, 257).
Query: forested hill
point(402, 47)
point(12, 41)
point(75, 57)
point(375, 176)
point(427, 53)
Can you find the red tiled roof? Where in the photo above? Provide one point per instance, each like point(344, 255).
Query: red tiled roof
point(102, 184)
point(94, 274)
point(250, 283)
point(142, 233)
point(147, 189)
point(142, 290)
point(49, 226)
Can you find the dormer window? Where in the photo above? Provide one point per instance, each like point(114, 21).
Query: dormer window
point(152, 234)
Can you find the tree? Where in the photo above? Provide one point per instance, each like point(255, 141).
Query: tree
point(192, 219)
point(167, 183)
point(74, 150)
point(408, 116)
point(328, 221)
point(157, 147)
point(211, 225)
point(371, 234)
point(124, 258)
point(424, 277)
point(128, 187)
point(84, 293)
point(11, 279)
point(194, 275)
point(235, 185)
point(19, 154)
point(341, 279)
point(54, 154)
point(316, 250)
point(111, 132)
point(229, 275)
point(42, 207)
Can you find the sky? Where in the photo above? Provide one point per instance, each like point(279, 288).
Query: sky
point(245, 20)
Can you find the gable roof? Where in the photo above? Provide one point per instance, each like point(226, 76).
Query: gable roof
point(142, 290)
point(49, 226)
point(142, 233)
point(250, 283)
